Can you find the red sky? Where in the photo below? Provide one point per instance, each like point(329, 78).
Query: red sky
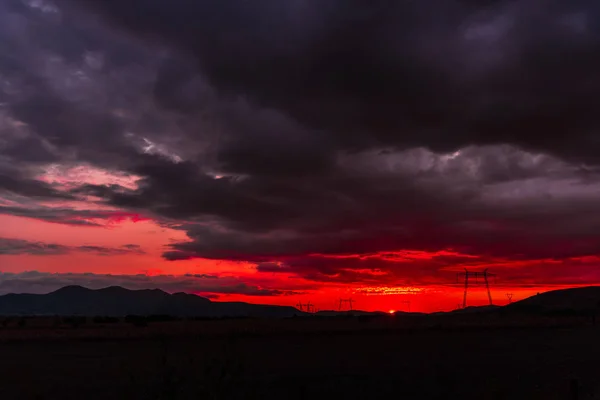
point(443, 294)
point(276, 154)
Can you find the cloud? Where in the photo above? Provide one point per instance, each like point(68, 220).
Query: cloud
point(287, 134)
point(71, 216)
point(433, 271)
point(30, 188)
point(111, 251)
point(44, 282)
point(17, 247)
point(487, 73)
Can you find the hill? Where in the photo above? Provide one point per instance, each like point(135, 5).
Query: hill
point(475, 309)
point(353, 313)
point(118, 301)
point(583, 299)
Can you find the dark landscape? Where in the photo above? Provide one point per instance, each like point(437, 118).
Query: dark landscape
point(544, 347)
point(299, 199)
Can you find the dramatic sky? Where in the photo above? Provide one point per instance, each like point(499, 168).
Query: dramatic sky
point(303, 150)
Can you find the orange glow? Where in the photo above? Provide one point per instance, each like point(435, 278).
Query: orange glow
point(387, 290)
point(373, 289)
point(392, 311)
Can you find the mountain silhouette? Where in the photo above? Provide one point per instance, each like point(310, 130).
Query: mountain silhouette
point(573, 299)
point(118, 301)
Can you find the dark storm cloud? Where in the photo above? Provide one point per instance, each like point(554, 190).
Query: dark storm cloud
point(411, 269)
point(351, 74)
point(30, 188)
point(18, 246)
point(44, 282)
point(468, 203)
point(65, 84)
point(274, 131)
point(442, 74)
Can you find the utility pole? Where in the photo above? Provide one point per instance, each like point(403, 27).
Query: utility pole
point(476, 275)
point(509, 296)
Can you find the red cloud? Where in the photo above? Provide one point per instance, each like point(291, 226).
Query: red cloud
point(118, 217)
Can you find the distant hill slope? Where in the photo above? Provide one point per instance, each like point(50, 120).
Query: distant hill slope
point(574, 299)
point(472, 310)
point(118, 301)
point(355, 313)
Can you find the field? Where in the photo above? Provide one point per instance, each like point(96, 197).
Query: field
point(304, 358)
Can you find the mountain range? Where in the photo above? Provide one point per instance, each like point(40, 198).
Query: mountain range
point(117, 301)
point(581, 299)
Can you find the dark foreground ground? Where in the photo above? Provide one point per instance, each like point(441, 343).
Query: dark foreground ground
point(295, 360)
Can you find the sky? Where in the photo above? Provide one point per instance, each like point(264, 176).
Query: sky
point(283, 152)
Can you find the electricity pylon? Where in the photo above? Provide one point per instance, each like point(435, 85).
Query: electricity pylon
point(345, 301)
point(476, 274)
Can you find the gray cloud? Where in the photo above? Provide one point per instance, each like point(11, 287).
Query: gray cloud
point(17, 246)
point(394, 73)
point(30, 188)
point(66, 216)
point(43, 282)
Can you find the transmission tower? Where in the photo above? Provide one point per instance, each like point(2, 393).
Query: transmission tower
point(308, 307)
point(509, 297)
point(477, 275)
point(346, 301)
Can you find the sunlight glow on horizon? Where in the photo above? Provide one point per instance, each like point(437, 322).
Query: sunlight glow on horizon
point(388, 290)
